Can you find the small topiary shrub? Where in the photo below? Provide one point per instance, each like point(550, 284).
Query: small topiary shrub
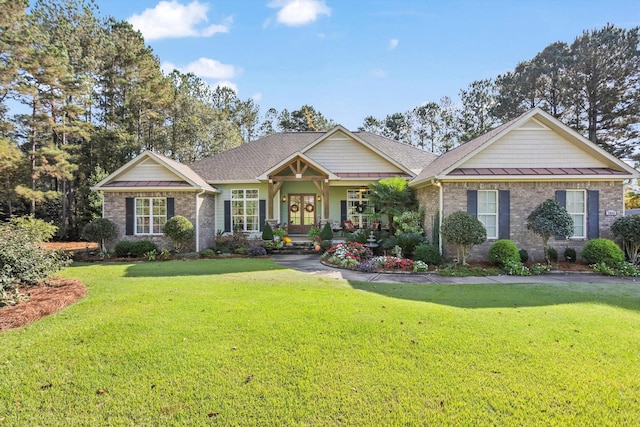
point(524, 255)
point(180, 230)
point(570, 255)
point(100, 231)
point(428, 254)
point(267, 232)
point(327, 232)
point(464, 231)
point(256, 251)
point(502, 251)
point(552, 254)
point(207, 253)
point(602, 251)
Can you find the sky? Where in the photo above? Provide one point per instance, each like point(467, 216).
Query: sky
point(353, 58)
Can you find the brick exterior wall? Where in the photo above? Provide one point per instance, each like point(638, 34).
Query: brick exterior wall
point(525, 197)
point(185, 205)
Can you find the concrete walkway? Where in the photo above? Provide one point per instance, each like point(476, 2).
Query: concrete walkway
point(311, 264)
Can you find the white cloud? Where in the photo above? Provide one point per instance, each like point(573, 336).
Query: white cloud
point(171, 19)
point(257, 96)
point(393, 43)
point(167, 68)
point(299, 12)
point(378, 72)
point(211, 69)
point(226, 83)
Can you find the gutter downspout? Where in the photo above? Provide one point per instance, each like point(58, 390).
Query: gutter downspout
point(198, 219)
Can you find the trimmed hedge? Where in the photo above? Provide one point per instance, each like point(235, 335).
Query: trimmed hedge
point(602, 251)
point(502, 251)
point(137, 249)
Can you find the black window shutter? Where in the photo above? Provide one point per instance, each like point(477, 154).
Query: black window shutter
point(593, 214)
point(472, 203)
point(504, 214)
point(227, 216)
point(343, 211)
point(262, 213)
point(171, 207)
point(129, 216)
point(561, 198)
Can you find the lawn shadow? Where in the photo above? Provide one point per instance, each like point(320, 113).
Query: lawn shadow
point(625, 295)
point(201, 267)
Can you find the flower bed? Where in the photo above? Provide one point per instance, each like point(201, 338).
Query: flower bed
point(356, 256)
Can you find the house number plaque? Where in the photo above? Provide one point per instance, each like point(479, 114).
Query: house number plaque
point(611, 213)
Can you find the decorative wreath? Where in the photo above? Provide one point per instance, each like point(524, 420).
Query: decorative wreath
point(293, 208)
point(360, 208)
point(309, 207)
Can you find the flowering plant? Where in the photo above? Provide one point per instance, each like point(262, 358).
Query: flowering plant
point(348, 250)
point(393, 263)
point(287, 239)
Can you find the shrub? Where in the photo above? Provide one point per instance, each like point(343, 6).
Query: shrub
point(548, 219)
point(621, 269)
point(524, 255)
point(406, 241)
point(366, 266)
point(267, 232)
point(428, 254)
point(552, 254)
point(240, 251)
point(315, 232)
point(515, 268)
point(100, 231)
point(393, 263)
point(502, 251)
point(191, 255)
point(627, 229)
point(570, 255)
point(231, 242)
point(464, 231)
point(537, 269)
point(22, 260)
point(256, 251)
point(409, 222)
point(327, 232)
point(180, 230)
point(420, 267)
point(207, 253)
point(126, 248)
point(602, 251)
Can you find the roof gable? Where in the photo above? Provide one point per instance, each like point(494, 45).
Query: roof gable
point(338, 150)
point(152, 170)
point(535, 144)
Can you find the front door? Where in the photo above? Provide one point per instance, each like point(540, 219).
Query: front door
point(302, 213)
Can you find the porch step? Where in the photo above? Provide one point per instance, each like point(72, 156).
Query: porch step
point(297, 248)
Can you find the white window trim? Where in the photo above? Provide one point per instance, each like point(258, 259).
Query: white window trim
point(362, 217)
point(485, 214)
point(150, 216)
point(583, 213)
point(244, 215)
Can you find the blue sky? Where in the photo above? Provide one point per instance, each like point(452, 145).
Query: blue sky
point(354, 58)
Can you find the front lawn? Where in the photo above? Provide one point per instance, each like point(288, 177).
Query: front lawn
point(241, 342)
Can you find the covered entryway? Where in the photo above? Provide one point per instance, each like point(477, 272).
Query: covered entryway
point(302, 213)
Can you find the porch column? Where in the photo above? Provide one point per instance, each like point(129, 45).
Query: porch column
point(325, 198)
point(273, 188)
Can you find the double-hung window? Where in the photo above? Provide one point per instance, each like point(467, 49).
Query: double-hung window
point(488, 211)
point(576, 206)
point(151, 214)
point(245, 210)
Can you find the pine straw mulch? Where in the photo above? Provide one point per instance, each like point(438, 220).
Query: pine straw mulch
point(43, 300)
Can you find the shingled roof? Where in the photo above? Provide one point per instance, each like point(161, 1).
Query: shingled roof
point(250, 160)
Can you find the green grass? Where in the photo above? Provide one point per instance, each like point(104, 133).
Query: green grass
point(242, 342)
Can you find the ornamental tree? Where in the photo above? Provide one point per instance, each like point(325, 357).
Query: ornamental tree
point(548, 219)
point(627, 229)
point(464, 231)
point(100, 230)
point(180, 230)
